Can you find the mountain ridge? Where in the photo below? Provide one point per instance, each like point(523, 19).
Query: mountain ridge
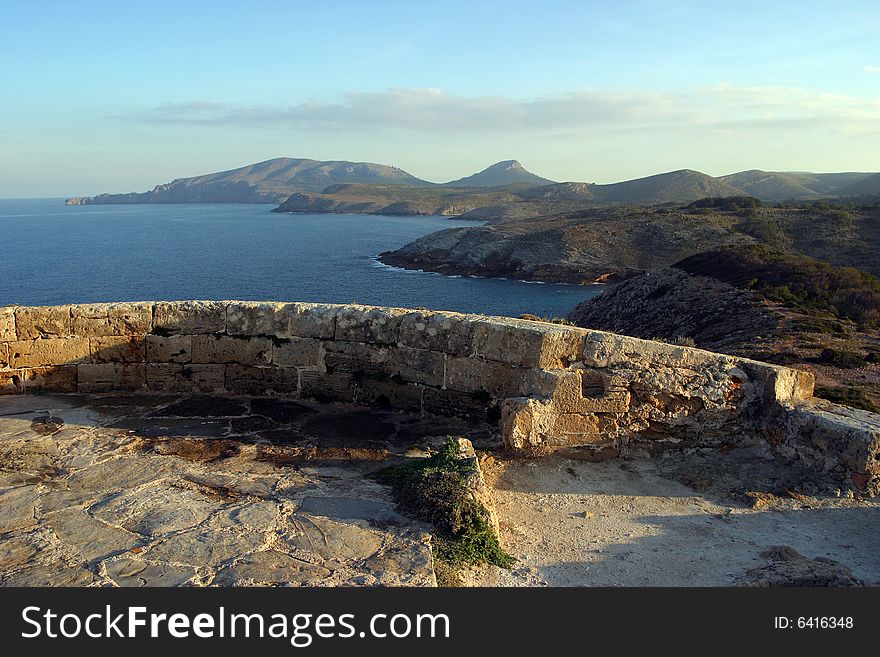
point(306, 185)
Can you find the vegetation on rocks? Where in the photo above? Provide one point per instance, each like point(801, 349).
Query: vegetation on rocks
point(793, 279)
point(435, 490)
point(848, 395)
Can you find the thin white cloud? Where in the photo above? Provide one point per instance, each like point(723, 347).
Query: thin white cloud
point(873, 70)
point(584, 112)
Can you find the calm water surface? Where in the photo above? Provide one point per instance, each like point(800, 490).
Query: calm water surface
point(81, 254)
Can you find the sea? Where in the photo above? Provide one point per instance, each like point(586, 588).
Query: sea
point(56, 254)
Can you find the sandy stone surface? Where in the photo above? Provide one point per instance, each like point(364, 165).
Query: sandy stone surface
point(630, 523)
point(194, 490)
point(122, 490)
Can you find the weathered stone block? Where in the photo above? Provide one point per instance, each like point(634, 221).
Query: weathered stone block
point(230, 349)
point(51, 351)
point(418, 366)
point(603, 349)
point(4, 355)
point(118, 349)
point(310, 320)
point(369, 324)
point(402, 364)
point(497, 380)
point(189, 317)
point(525, 422)
point(781, 384)
point(575, 423)
point(444, 332)
point(11, 382)
point(43, 321)
point(256, 380)
point(173, 377)
point(60, 378)
point(105, 377)
point(257, 318)
point(297, 352)
point(7, 323)
point(528, 344)
point(57, 378)
point(357, 358)
point(475, 406)
point(399, 396)
point(573, 429)
point(170, 349)
point(98, 319)
point(327, 386)
point(830, 437)
point(579, 391)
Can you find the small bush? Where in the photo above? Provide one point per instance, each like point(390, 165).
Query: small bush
point(726, 203)
point(841, 359)
point(848, 396)
point(779, 358)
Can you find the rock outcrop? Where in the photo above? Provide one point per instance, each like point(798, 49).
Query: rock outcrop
point(576, 248)
point(670, 303)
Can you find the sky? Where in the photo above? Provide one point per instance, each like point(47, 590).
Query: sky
point(121, 96)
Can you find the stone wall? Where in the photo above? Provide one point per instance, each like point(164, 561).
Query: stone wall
point(548, 386)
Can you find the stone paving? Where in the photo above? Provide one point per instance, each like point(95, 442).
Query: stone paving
point(171, 490)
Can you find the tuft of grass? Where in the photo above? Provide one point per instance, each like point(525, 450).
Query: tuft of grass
point(435, 490)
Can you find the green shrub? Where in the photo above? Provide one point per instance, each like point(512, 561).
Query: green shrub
point(435, 490)
point(848, 396)
point(726, 203)
point(779, 358)
point(793, 279)
point(841, 359)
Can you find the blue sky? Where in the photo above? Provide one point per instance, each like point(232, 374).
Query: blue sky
point(120, 96)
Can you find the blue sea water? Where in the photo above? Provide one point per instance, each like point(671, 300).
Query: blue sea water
point(56, 254)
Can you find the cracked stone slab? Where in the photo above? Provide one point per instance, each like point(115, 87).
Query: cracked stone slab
point(253, 516)
point(123, 473)
point(51, 575)
point(89, 537)
point(17, 551)
point(175, 427)
point(86, 499)
point(18, 508)
point(270, 568)
point(202, 406)
point(411, 565)
point(377, 513)
point(17, 404)
point(130, 572)
point(27, 461)
point(279, 410)
point(330, 539)
point(156, 510)
point(200, 547)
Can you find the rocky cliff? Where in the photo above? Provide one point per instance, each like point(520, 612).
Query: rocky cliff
point(579, 248)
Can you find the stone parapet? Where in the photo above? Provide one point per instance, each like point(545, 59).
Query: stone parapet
point(547, 386)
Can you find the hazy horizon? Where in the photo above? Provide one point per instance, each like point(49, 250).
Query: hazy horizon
point(110, 97)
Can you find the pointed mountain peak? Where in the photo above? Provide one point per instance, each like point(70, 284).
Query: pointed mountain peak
point(506, 172)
